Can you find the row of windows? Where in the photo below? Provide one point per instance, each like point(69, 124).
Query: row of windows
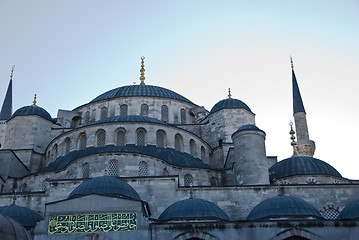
point(144, 111)
point(120, 140)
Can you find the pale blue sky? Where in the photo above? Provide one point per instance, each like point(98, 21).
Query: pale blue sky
point(70, 51)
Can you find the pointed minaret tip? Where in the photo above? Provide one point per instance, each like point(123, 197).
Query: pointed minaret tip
point(291, 62)
point(229, 93)
point(142, 70)
point(12, 72)
point(297, 98)
point(6, 110)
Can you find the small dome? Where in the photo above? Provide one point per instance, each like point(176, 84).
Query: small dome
point(301, 165)
point(140, 91)
point(10, 229)
point(25, 216)
point(229, 103)
point(130, 118)
point(32, 110)
point(105, 186)
point(351, 211)
point(193, 209)
point(283, 206)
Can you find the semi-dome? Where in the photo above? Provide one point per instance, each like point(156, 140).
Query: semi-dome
point(351, 211)
point(140, 91)
point(301, 165)
point(130, 118)
point(25, 216)
point(10, 229)
point(105, 186)
point(229, 103)
point(193, 209)
point(283, 206)
point(32, 110)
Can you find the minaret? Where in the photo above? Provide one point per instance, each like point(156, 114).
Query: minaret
point(304, 146)
point(6, 109)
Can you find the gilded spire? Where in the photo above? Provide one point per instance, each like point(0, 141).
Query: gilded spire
point(142, 70)
point(34, 102)
point(12, 72)
point(292, 133)
point(229, 93)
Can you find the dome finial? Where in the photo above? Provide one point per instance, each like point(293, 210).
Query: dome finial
point(34, 102)
point(293, 143)
point(142, 70)
point(291, 61)
point(14, 198)
point(12, 72)
point(191, 191)
point(229, 93)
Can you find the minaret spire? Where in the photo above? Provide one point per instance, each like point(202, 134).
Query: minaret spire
point(304, 146)
point(6, 110)
point(142, 70)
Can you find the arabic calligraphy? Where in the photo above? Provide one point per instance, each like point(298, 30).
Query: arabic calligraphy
point(92, 223)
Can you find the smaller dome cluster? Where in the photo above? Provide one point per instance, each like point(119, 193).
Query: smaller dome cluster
point(229, 103)
point(25, 216)
point(351, 211)
point(10, 229)
point(32, 110)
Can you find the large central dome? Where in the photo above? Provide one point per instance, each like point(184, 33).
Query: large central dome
point(140, 91)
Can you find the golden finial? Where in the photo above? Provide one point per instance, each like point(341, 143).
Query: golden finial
point(142, 70)
point(12, 72)
point(291, 61)
point(34, 102)
point(229, 93)
point(292, 132)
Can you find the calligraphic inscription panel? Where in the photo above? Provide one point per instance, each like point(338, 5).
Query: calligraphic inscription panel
point(92, 223)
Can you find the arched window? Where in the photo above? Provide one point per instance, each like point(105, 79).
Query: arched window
point(100, 138)
point(123, 110)
point(161, 138)
point(121, 137)
point(75, 122)
point(165, 172)
point(87, 117)
point(178, 142)
point(85, 170)
point(23, 188)
point(104, 112)
point(144, 110)
point(203, 153)
point(112, 168)
point(82, 141)
point(141, 137)
point(193, 148)
point(213, 181)
point(55, 152)
point(183, 116)
point(142, 169)
point(67, 146)
point(188, 179)
point(164, 113)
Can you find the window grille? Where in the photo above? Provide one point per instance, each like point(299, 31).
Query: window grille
point(330, 213)
point(101, 138)
point(213, 182)
point(141, 137)
point(113, 168)
point(188, 179)
point(178, 142)
point(104, 112)
point(193, 148)
point(87, 117)
point(82, 141)
point(123, 110)
point(86, 170)
point(121, 138)
point(165, 172)
point(183, 116)
point(44, 185)
point(144, 110)
point(203, 153)
point(164, 113)
point(160, 139)
point(142, 169)
point(66, 146)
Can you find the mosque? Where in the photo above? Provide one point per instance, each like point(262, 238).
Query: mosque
point(144, 162)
